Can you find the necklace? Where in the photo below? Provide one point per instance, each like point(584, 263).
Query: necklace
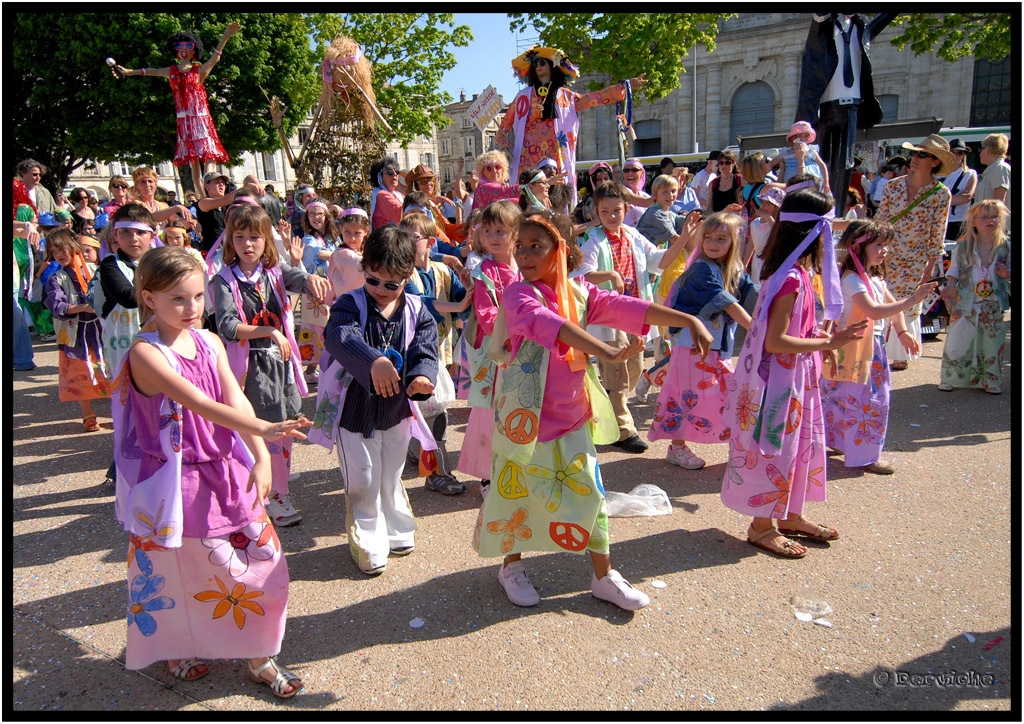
point(543, 90)
point(386, 331)
point(984, 287)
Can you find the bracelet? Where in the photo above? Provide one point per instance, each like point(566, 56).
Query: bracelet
point(903, 333)
point(216, 52)
point(143, 72)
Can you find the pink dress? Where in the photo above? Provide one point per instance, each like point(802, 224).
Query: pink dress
point(223, 593)
point(777, 449)
point(197, 137)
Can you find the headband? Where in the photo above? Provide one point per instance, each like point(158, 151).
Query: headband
point(355, 211)
point(830, 271)
point(417, 207)
point(314, 204)
point(138, 225)
point(859, 266)
point(566, 310)
point(802, 185)
point(326, 70)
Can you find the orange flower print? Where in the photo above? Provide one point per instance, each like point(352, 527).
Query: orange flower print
point(512, 528)
point(780, 496)
point(234, 601)
point(746, 408)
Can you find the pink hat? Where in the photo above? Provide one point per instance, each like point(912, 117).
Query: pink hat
point(801, 127)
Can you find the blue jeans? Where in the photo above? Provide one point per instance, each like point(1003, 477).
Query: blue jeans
point(22, 340)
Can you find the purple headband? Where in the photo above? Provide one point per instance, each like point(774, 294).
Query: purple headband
point(326, 70)
point(802, 185)
point(138, 225)
point(830, 271)
point(313, 204)
point(354, 211)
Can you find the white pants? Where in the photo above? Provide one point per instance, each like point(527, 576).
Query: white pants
point(377, 511)
point(893, 349)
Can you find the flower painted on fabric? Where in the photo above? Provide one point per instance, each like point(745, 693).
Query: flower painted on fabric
point(868, 420)
point(816, 477)
point(746, 408)
point(524, 376)
point(144, 598)
point(511, 529)
point(234, 601)
point(563, 139)
point(256, 541)
point(561, 476)
point(717, 377)
point(877, 373)
point(156, 529)
point(744, 459)
point(670, 417)
point(780, 496)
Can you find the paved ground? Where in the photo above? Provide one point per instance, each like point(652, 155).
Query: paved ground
point(920, 585)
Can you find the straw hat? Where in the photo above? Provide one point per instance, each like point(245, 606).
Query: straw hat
point(521, 63)
point(937, 146)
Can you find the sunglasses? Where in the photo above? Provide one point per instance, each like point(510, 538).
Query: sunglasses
point(630, 170)
point(375, 282)
point(725, 163)
point(119, 186)
point(185, 46)
point(924, 154)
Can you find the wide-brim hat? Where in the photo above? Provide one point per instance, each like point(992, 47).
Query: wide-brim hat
point(418, 173)
point(800, 127)
point(521, 63)
point(937, 146)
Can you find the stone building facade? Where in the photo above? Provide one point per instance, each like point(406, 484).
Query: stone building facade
point(462, 140)
point(749, 85)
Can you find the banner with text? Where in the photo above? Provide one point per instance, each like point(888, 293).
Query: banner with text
point(486, 106)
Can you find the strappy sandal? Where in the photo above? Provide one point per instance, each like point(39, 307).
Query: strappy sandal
point(782, 550)
point(90, 423)
point(185, 668)
point(280, 682)
point(823, 532)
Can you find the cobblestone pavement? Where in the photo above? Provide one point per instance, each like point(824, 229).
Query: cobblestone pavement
point(919, 584)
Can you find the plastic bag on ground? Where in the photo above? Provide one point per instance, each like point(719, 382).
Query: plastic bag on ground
point(643, 500)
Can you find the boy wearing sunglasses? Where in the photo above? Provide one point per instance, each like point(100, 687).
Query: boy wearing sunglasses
point(380, 357)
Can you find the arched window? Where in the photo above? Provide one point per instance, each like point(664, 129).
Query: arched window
point(648, 138)
point(753, 110)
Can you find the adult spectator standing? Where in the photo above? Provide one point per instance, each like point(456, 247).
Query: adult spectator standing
point(29, 190)
point(703, 178)
point(268, 201)
point(118, 188)
point(725, 189)
point(961, 184)
point(995, 179)
point(302, 196)
point(172, 199)
point(210, 209)
point(917, 205)
point(634, 178)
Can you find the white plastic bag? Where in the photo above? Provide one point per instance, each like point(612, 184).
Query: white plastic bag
point(643, 500)
point(444, 395)
point(959, 336)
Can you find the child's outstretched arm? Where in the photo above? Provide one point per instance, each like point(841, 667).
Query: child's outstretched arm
point(663, 316)
point(776, 341)
point(580, 339)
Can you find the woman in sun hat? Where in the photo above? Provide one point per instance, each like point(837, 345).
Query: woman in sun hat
point(918, 206)
point(542, 120)
point(961, 183)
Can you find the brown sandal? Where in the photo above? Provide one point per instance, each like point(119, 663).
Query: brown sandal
point(782, 550)
point(90, 423)
point(823, 532)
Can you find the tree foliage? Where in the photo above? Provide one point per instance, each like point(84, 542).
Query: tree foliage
point(68, 107)
point(410, 53)
point(986, 36)
point(624, 45)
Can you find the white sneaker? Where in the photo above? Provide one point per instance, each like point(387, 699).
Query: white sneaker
point(945, 387)
point(643, 386)
point(683, 457)
point(485, 488)
point(517, 584)
point(281, 511)
point(616, 589)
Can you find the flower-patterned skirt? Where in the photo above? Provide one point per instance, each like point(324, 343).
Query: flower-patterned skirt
point(224, 597)
point(692, 397)
point(856, 415)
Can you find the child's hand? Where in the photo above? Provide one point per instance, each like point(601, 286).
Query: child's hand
point(284, 228)
point(277, 430)
point(615, 355)
point(922, 291)
point(384, 377)
point(295, 249)
point(260, 477)
point(278, 337)
point(466, 277)
point(909, 343)
point(844, 335)
point(318, 287)
point(1002, 271)
point(829, 358)
point(454, 263)
point(617, 283)
point(948, 293)
point(701, 338)
point(420, 385)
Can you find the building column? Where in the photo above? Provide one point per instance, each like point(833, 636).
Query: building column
point(713, 108)
point(790, 89)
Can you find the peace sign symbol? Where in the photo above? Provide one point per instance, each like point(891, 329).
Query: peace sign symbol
point(794, 415)
point(570, 536)
point(521, 426)
point(509, 482)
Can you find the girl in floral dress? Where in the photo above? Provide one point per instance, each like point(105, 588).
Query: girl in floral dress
point(777, 443)
point(189, 492)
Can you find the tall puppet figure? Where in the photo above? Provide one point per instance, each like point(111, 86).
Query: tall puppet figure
point(543, 120)
point(343, 138)
point(198, 144)
point(837, 94)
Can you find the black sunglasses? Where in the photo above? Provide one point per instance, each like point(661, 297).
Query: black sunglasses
point(924, 154)
point(390, 286)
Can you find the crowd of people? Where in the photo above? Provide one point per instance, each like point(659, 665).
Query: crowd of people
point(206, 322)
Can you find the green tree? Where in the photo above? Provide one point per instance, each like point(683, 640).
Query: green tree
point(410, 53)
point(68, 107)
point(624, 45)
point(984, 35)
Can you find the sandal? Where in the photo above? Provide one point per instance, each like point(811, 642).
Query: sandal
point(823, 532)
point(898, 366)
point(282, 679)
point(185, 668)
point(782, 550)
point(90, 423)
